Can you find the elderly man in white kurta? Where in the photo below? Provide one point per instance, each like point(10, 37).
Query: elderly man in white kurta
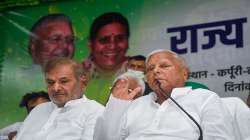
point(156, 116)
point(70, 115)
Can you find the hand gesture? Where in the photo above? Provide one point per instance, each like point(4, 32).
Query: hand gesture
point(122, 91)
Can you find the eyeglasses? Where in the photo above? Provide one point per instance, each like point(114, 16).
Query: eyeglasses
point(59, 39)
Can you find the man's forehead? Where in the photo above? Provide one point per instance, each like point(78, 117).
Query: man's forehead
point(51, 27)
point(58, 78)
point(136, 61)
point(62, 70)
point(54, 23)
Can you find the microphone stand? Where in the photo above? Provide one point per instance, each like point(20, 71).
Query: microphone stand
point(167, 96)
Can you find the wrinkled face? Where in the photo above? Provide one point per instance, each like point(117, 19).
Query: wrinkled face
point(165, 69)
point(110, 46)
point(138, 65)
point(63, 85)
point(55, 40)
point(34, 102)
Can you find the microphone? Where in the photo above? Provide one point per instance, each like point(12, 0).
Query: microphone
point(173, 100)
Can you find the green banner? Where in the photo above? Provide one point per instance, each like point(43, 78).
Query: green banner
point(18, 75)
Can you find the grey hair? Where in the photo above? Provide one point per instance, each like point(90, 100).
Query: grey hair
point(60, 61)
point(127, 75)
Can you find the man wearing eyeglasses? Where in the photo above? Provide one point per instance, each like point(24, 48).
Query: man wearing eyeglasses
point(51, 36)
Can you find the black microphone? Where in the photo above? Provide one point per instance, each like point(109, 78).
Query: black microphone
point(167, 96)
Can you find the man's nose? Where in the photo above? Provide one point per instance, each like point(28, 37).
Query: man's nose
point(65, 42)
point(62, 51)
point(57, 87)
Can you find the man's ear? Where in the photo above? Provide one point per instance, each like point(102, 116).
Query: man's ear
point(84, 81)
point(185, 74)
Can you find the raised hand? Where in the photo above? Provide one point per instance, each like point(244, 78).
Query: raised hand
point(122, 91)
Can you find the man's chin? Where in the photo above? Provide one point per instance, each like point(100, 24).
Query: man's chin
point(59, 103)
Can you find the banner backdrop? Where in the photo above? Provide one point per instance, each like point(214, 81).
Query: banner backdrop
point(212, 36)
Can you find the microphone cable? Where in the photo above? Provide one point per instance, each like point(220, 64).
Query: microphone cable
point(167, 96)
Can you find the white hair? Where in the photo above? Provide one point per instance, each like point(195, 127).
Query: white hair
point(159, 51)
point(175, 55)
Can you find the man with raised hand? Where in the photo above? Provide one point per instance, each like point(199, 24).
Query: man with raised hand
point(156, 116)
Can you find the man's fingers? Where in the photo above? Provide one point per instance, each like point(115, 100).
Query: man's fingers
point(118, 84)
point(134, 93)
point(120, 88)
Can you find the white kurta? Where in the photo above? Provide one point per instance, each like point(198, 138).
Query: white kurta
point(74, 121)
point(4, 132)
point(144, 119)
point(241, 116)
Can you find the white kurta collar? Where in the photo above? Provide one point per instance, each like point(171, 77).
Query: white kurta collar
point(72, 102)
point(175, 94)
